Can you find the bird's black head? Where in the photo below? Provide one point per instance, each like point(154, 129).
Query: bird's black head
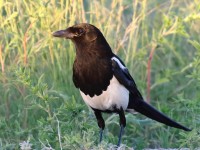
point(88, 40)
point(81, 32)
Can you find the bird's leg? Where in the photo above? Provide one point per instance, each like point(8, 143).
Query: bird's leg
point(101, 123)
point(100, 135)
point(122, 123)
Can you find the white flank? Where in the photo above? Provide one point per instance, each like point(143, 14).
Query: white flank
point(115, 95)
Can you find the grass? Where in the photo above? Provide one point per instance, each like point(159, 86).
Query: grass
point(158, 41)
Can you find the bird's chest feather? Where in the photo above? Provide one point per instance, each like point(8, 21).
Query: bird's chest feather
point(114, 97)
point(92, 76)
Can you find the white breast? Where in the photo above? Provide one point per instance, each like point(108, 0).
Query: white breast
point(115, 95)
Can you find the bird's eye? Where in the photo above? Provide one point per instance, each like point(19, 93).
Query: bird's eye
point(80, 31)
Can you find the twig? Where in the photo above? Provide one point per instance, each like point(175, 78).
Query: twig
point(1, 60)
point(154, 46)
point(59, 136)
point(24, 44)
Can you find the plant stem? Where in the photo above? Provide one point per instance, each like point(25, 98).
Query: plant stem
point(149, 72)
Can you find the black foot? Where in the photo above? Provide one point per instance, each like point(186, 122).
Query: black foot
point(120, 135)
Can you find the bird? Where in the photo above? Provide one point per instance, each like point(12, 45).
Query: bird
point(104, 81)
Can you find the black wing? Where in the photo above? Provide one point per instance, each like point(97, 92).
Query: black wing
point(136, 101)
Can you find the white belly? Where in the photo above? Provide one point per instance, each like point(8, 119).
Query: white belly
point(116, 96)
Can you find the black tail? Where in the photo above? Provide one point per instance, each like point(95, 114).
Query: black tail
point(147, 110)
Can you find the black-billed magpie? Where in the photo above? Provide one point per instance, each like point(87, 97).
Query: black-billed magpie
point(103, 80)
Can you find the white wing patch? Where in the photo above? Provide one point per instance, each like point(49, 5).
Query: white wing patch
point(119, 63)
point(116, 95)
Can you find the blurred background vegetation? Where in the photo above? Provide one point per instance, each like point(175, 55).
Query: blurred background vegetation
point(38, 101)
